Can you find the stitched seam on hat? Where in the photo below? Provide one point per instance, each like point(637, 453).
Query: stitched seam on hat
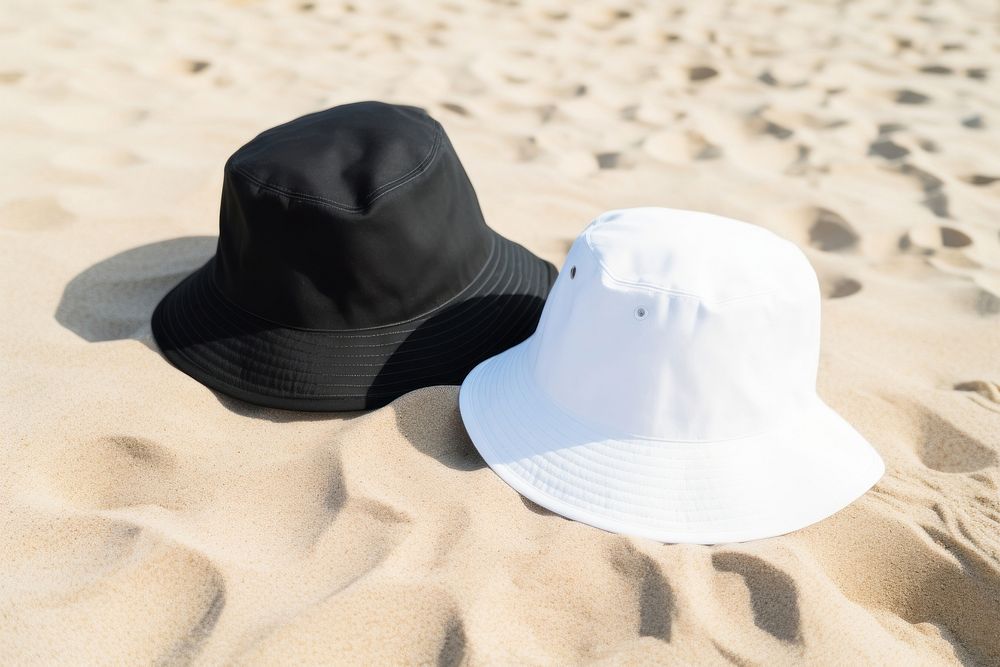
point(666, 290)
point(511, 320)
point(470, 285)
point(369, 199)
point(507, 287)
point(247, 387)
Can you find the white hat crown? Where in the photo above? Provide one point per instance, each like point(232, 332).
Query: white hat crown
point(680, 326)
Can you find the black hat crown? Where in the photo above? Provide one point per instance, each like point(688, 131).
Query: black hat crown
point(356, 216)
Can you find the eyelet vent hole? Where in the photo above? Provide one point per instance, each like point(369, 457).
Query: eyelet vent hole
point(572, 272)
point(640, 313)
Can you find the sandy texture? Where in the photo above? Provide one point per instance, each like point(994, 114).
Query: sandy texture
point(145, 519)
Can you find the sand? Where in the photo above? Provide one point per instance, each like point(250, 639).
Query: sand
point(146, 519)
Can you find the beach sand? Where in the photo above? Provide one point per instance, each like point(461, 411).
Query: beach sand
point(146, 519)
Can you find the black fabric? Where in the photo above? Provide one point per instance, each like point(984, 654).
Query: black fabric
point(353, 266)
point(358, 216)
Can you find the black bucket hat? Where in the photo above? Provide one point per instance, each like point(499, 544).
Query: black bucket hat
point(353, 266)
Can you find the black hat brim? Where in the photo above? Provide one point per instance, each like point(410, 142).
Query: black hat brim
point(228, 349)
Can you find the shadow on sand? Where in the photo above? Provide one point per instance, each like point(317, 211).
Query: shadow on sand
point(115, 298)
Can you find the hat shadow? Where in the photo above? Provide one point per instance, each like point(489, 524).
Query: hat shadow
point(429, 421)
point(426, 411)
point(412, 365)
point(114, 299)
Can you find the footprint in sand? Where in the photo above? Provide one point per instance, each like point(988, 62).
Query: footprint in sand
point(455, 108)
point(937, 69)
point(981, 179)
point(986, 389)
point(436, 438)
point(776, 131)
point(194, 66)
point(375, 623)
point(974, 122)
point(302, 509)
point(831, 233)
point(80, 548)
point(964, 551)
point(975, 582)
point(954, 238)
point(935, 197)
point(34, 215)
point(124, 471)
point(929, 145)
point(630, 592)
point(815, 226)
point(609, 160)
point(888, 149)
point(652, 592)
point(110, 573)
point(945, 447)
point(10, 77)
point(928, 577)
point(709, 152)
point(702, 73)
point(838, 288)
point(767, 78)
point(337, 536)
point(773, 594)
point(987, 303)
point(907, 96)
point(935, 237)
point(885, 129)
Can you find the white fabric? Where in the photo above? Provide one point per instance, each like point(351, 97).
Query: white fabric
point(669, 390)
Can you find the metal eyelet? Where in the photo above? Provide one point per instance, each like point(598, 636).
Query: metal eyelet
point(641, 313)
point(572, 272)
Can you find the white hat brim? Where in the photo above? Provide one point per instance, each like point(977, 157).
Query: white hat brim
point(705, 492)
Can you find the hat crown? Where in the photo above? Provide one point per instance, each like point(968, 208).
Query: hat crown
point(357, 216)
point(678, 325)
point(346, 156)
point(700, 255)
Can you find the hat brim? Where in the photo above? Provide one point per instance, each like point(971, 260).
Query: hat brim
point(679, 492)
point(230, 350)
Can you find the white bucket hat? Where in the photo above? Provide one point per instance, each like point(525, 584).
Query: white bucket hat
point(669, 391)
